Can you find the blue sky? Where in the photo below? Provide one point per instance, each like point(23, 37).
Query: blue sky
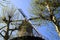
point(22, 4)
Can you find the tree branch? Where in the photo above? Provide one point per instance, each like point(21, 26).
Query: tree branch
point(2, 27)
point(2, 35)
point(16, 20)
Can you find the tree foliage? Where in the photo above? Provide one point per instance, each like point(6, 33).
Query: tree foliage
point(47, 10)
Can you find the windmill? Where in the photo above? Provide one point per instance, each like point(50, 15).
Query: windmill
point(29, 28)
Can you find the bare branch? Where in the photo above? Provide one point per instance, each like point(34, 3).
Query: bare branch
point(16, 20)
point(2, 35)
point(13, 29)
point(3, 31)
point(2, 27)
point(11, 33)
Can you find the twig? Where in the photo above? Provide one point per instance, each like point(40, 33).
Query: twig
point(2, 27)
